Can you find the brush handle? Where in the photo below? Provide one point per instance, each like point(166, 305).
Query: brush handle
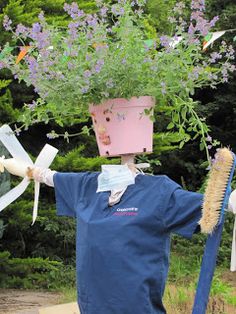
point(210, 254)
point(207, 270)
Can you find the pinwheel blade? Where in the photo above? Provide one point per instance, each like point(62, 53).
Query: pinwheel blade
point(13, 194)
point(12, 144)
point(46, 156)
point(36, 201)
point(44, 159)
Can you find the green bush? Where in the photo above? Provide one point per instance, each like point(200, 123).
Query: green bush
point(34, 273)
point(195, 247)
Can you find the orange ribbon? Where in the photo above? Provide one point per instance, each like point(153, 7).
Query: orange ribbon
point(22, 54)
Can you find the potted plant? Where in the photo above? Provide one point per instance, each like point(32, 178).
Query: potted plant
point(108, 55)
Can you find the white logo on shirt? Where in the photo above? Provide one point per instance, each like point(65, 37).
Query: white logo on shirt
point(130, 211)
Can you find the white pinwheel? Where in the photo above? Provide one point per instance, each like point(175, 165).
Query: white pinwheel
point(19, 164)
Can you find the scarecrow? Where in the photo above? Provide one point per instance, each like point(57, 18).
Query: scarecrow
point(125, 218)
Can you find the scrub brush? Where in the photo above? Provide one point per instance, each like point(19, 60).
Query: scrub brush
point(214, 203)
point(217, 190)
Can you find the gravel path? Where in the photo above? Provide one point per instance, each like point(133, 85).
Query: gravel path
point(25, 302)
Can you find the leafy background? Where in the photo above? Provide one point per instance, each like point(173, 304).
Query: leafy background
point(34, 256)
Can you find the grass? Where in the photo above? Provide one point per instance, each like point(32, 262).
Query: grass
point(181, 287)
point(68, 294)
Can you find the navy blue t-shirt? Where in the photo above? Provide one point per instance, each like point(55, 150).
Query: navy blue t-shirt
point(123, 250)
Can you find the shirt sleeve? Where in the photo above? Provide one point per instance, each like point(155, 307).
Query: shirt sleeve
point(69, 190)
point(182, 210)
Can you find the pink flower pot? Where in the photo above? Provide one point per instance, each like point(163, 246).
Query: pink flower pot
point(121, 126)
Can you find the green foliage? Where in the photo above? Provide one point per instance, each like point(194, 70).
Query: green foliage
point(54, 237)
point(26, 12)
point(51, 236)
point(4, 179)
point(183, 268)
point(7, 113)
point(196, 246)
point(231, 299)
point(109, 61)
point(2, 227)
point(69, 294)
point(74, 161)
point(4, 83)
point(159, 11)
point(182, 282)
point(225, 10)
point(33, 273)
point(220, 288)
point(167, 141)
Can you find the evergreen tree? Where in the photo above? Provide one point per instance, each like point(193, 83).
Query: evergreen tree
point(7, 113)
point(159, 11)
point(223, 100)
point(45, 238)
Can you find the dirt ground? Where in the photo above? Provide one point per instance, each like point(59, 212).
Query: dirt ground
point(28, 302)
point(229, 277)
point(25, 302)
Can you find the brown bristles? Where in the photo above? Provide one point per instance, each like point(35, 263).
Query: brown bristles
point(215, 190)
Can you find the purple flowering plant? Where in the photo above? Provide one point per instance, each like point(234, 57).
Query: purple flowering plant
point(108, 54)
